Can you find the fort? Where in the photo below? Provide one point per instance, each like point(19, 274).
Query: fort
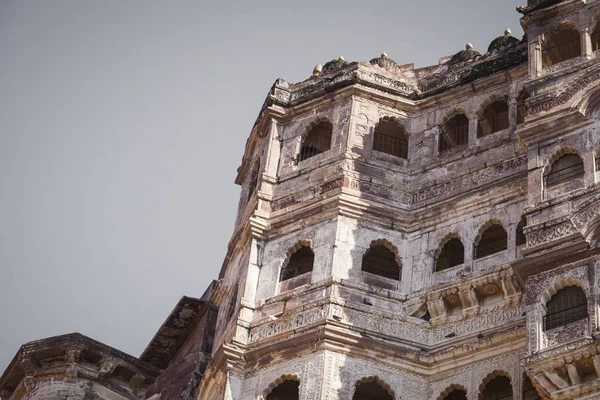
point(402, 233)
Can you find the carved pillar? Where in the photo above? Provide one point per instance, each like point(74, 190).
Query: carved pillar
point(273, 152)
point(535, 58)
point(473, 121)
point(254, 265)
point(436, 307)
point(586, 43)
point(469, 300)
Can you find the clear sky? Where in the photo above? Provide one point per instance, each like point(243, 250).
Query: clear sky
point(122, 124)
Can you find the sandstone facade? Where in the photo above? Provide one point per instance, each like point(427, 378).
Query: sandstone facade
point(402, 233)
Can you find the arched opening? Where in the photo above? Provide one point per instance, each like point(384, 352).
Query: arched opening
point(566, 306)
point(595, 37)
point(317, 141)
point(529, 392)
point(521, 107)
point(493, 240)
point(456, 394)
point(371, 391)
point(567, 168)
point(380, 260)
point(288, 390)
point(494, 119)
point(451, 255)
point(560, 46)
point(521, 239)
point(300, 263)
point(390, 138)
point(455, 133)
point(498, 388)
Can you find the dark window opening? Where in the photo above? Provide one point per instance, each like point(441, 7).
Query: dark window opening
point(566, 306)
point(380, 260)
point(456, 394)
point(595, 37)
point(288, 390)
point(452, 254)
point(390, 138)
point(317, 141)
point(521, 239)
point(301, 262)
point(521, 107)
point(529, 392)
point(597, 162)
point(565, 169)
point(561, 46)
point(371, 391)
point(498, 388)
point(454, 133)
point(493, 240)
point(494, 119)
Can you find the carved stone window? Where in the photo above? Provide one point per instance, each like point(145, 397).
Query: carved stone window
point(288, 390)
point(493, 240)
point(371, 391)
point(498, 388)
point(317, 141)
point(561, 45)
point(300, 263)
point(380, 260)
point(567, 305)
point(456, 394)
point(455, 133)
point(451, 255)
point(529, 392)
point(521, 239)
point(390, 138)
point(521, 107)
point(494, 119)
point(566, 169)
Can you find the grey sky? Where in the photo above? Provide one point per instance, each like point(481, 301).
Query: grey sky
point(122, 124)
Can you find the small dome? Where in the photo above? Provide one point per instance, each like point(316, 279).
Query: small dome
point(502, 42)
point(334, 64)
point(465, 55)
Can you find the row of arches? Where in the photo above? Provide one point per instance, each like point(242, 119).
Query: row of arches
point(564, 43)
point(495, 386)
point(382, 257)
point(391, 137)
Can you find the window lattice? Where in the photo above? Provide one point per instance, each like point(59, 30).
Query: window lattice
point(391, 139)
point(566, 306)
point(380, 260)
point(317, 141)
point(454, 133)
point(565, 169)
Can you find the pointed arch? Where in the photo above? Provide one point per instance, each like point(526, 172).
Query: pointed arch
point(382, 258)
point(491, 239)
point(451, 253)
point(489, 378)
point(390, 137)
point(493, 116)
point(286, 387)
point(299, 260)
point(454, 132)
point(561, 44)
point(568, 304)
point(316, 139)
point(373, 387)
point(453, 392)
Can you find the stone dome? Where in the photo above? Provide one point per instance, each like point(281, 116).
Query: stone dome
point(502, 42)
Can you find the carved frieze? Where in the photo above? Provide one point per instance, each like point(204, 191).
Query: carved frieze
point(563, 96)
point(550, 233)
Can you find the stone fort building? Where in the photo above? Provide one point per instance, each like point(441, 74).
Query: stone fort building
point(402, 233)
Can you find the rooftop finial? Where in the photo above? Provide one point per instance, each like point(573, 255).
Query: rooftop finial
point(341, 58)
point(317, 69)
point(507, 32)
point(384, 55)
point(469, 46)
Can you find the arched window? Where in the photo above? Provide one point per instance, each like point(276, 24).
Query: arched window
point(567, 305)
point(498, 388)
point(493, 240)
point(521, 107)
point(529, 392)
point(452, 254)
point(595, 36)
point(561, 45)
point(301, 262)
point(567, 168)
point(454, 133)
point(494, 119)
point(521, 239)
point(317, 141)
point(456, 394)
point(288, 390)
point(390, 138)
point(371, 391)
point(380, 260)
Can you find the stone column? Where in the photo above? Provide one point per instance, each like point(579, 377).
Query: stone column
point(586, 43)
point(535, 57)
